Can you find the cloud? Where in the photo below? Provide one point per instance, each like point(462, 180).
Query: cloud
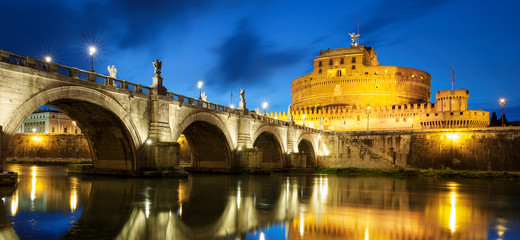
point(388, 15)
point(245, 58)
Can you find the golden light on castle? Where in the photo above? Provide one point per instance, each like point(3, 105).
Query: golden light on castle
point(453, 136)
point(351, 91)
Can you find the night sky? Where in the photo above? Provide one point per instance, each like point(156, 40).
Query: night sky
point(262, 46)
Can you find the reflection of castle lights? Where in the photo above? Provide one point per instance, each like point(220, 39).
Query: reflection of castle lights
point(302, 222)
point(262, 236)
point(14, 203)
point(366, 233)
point(147, 207)
point(73, 200)
point(501, 229)
point(36, 139)
point(453, 213)
point(238, 195)
point(33, 190)
point(324, 188)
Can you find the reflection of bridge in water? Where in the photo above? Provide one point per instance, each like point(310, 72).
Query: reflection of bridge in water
point(312, 207)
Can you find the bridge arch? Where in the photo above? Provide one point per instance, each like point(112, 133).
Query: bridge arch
point(208, 139)
point(267, 138)
point(107, 126)
point(307, 146)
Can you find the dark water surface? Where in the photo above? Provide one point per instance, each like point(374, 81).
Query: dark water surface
point(51, 204)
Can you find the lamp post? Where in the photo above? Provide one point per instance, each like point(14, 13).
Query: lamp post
point(199, 85)
point(264, 106)
point(92, 50)
point(502, 103)
point(303, 120)
point(368, 118)
point(48, 59)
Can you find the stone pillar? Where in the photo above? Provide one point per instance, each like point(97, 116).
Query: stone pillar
point(244, 135)
point(290, 138)
point(163, 149)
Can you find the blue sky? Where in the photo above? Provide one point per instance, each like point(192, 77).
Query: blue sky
point(262, 46)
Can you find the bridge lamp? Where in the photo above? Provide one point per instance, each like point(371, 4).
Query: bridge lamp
point(502, 103)
point(48, 59)
point(232, 106)
point(92, 50)
point(199, 85)
point(149, 142)
point(264, 106)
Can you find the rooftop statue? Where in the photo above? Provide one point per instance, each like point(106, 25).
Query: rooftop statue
point(353, 37)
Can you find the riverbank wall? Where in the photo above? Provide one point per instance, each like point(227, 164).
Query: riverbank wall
point(36, 146)
point(488, 149)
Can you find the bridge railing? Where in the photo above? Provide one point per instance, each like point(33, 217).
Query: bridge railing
point(40, 65)
point(198, 102)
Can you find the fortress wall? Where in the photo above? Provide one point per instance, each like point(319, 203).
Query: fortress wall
point(43, 145)
point(495, 149)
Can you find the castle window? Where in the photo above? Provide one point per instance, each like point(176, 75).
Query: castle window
point(319, 64)
point(460, 113)
point(427, 115)
point(377, 87)
point(65, 130)
point(353, 60)
point(451, 114)
point(330, 62)
point(319, 71)
point(52, 129)
point(366, 73)
point(404, 119)
point(338, 73)
point(342, 61)
point(353, 67)
point(436, 114)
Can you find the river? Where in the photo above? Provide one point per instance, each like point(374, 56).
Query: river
point(49, 203)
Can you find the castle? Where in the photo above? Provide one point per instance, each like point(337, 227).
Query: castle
point(349, 90)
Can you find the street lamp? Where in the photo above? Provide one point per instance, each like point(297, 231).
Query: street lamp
point(92, 50)
point(48, 59)
point(199, 85)
point(502, 103)
point(368, 118)
point(303, 120)
point(264, 106)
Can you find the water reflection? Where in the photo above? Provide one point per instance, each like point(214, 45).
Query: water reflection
point(260, 207)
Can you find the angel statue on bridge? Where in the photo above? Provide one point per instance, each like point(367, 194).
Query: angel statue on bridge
point(157, 65)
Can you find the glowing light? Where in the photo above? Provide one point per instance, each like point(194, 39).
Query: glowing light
point(74, 123)
point(92, 50)
point(453, 136)
point(14, 203)
point(34, 130)
point(36, 138)
point(232, 106)
point(48, 58)
point(264, 105)
point(149, 142)
point(502, 100)
point(366, 233)
point(33, 190)
point(262, 236)
point(73, 200)
point(453, 212)
point(303, 116)
point(325, 151)
point(239, 148)
point(199, 84)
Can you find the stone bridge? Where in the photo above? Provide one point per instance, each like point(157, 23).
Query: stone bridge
point(130, 127)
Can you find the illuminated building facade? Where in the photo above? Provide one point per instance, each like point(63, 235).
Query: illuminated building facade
point(349, 90)
point(49, 122)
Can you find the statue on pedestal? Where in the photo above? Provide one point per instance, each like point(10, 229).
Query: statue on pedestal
point(157, 65)
point(204, 99)
point(320, 122)
point(112, 70)
point(242, 104)
point(289, 113)
point(157, 86)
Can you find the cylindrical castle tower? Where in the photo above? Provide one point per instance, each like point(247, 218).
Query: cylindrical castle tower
point(352, 76)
